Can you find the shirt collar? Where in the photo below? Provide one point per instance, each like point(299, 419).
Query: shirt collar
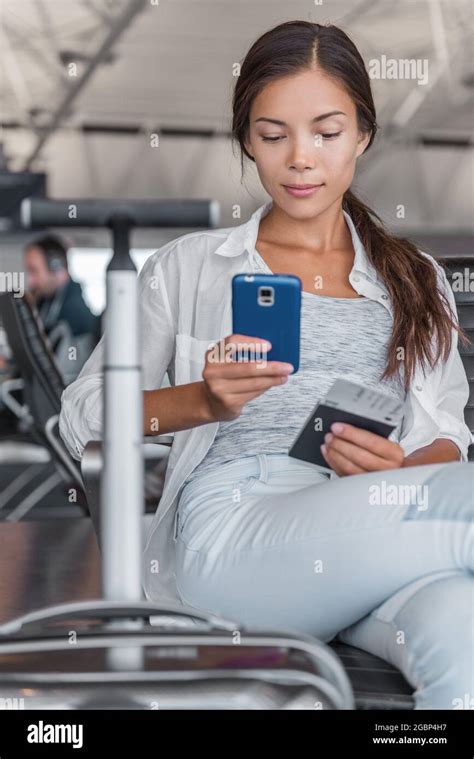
point(244, 237)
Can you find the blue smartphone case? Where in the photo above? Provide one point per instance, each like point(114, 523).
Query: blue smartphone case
point(269, 306)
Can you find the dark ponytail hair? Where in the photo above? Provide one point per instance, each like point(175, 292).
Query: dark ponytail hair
point(421, 310)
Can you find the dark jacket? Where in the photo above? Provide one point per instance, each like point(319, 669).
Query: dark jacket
point(68, 304)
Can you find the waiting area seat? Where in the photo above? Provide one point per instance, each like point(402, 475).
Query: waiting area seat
point(42, 385)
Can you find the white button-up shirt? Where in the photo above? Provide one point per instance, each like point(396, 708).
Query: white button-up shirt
point(185, 296)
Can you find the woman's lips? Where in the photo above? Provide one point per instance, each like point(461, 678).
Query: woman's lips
point(302, 191)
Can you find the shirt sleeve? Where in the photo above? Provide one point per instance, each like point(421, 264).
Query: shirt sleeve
point(80, 418)
point(453, 392)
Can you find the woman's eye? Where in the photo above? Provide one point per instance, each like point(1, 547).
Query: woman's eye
point(327, 136)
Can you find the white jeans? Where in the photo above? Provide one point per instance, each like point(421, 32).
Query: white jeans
point(381, 560)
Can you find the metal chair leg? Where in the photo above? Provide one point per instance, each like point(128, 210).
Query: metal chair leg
point(19, 483)
point(32, 499)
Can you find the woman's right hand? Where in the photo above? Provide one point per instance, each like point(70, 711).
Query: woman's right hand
point(230, 384)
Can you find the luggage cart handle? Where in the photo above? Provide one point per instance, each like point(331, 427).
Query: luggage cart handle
point(116, 610)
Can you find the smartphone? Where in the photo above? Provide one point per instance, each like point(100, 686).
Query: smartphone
point(269, 306)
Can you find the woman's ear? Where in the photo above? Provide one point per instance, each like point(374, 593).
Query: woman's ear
point(362, 142)
point(247, 144)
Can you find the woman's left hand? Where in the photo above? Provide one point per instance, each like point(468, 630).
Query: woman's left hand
point(351, 450)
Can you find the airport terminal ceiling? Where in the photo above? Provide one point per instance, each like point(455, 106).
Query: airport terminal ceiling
point(84, 84)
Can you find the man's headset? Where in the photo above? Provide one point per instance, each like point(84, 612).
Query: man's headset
point(55, 264)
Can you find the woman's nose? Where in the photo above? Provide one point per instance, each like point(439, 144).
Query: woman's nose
point(303, 154)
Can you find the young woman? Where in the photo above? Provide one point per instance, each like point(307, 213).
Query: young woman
point(242, 529)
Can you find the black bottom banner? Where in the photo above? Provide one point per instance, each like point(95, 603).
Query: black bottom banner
point(25, 733)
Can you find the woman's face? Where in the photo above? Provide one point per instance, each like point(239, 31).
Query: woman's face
point(304, 149)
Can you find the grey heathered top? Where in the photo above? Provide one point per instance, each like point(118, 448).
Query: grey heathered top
point(340, 338)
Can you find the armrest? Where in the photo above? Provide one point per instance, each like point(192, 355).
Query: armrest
point(159, 439)
point(7, 387)
point(13, 452)
point(58, 447)
point(91, 467)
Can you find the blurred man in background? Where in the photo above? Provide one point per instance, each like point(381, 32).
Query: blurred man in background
point(56, 295)
point(73, 330)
